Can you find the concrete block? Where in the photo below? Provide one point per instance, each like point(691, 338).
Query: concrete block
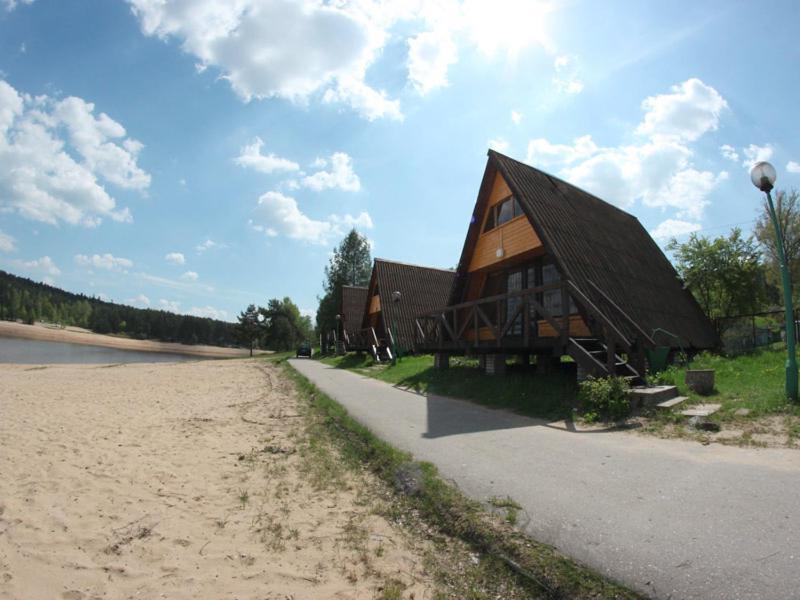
point(495, 364)
point(701, 410)
point(671, 403)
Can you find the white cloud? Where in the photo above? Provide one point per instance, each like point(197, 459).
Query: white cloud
point(279, 48)
point(44, 265)
point(92, 137)
point(7, 243)
point(754, 153)
point(340, 176)
point(208, 312)
point(729, 152)
point(109, 262)
point(190, 276)
point(279, 214)
point(209, 245)
point(41, 176)
point(498, 144)
point(674, 228)
point(690, 110)
point(140, 300)
point(169, 305)
point(175, 258)
point(308, 312)
point(368, 102)
point(791, 167)
point(304, 50)
point(541, 151)
point(10, 5)
point(430, 54)
point(251, 157)
point(659, 170)
point(516, 117)
point(566, 79)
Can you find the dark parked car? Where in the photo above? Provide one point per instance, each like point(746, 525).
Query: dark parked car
point(304, 350)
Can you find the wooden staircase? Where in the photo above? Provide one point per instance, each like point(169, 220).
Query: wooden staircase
point(594, 356)
point(381, 353)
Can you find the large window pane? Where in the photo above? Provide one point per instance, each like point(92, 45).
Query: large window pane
point(505, 212)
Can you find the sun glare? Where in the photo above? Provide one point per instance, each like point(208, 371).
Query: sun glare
point(508, 25)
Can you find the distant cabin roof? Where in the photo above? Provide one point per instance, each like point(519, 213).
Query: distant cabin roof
point(354, 301)
point(421, 289)
point(593, 241)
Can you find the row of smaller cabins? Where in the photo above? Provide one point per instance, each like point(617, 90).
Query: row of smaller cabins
point(546, 270)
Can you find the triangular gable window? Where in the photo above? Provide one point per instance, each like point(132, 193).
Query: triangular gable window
point(502, 213)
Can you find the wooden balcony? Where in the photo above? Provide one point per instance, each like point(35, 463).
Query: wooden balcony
point(518, 322)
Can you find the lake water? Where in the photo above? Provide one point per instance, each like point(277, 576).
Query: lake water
point(36, 352)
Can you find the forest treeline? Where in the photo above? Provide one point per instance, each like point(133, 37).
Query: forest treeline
point(29, 301)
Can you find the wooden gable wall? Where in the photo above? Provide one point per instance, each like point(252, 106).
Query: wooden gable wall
point(515, 237)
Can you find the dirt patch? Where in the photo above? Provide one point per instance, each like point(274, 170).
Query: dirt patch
point(772, 431)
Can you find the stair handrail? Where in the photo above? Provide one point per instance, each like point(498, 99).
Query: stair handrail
point(526, 292)
point(628, 318)
point(600, 314)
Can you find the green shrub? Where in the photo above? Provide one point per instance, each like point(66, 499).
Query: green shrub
point(605, 397)
point(666, 377)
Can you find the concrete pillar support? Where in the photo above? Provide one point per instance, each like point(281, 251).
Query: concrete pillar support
point(441, 360)
point(495, 364)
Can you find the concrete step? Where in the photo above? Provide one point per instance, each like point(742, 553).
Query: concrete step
point(701, 410)
point(672, 402)
point(652, 395)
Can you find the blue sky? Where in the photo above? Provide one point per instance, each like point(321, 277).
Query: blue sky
point(198, 156)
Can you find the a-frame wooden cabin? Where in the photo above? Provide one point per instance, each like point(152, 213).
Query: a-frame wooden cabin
point(351, 313)
point(537, 245)
point(397, 293)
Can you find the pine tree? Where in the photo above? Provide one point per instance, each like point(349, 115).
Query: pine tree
point(351, 264)
point(248, 329)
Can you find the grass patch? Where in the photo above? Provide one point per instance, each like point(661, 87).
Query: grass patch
point(526, 568)
point(753, 381)
point(546, 396)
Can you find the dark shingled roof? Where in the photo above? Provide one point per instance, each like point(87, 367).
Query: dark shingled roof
point(422, 289)
point(593, 241)
point(354, 299)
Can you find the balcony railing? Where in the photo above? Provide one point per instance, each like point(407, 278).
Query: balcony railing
point(518, 319)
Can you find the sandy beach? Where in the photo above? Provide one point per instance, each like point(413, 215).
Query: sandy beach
point(76, 335)
point(190, 480)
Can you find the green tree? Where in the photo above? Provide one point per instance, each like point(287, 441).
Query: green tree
point(725, 274)
point(283, 325)
point(351, 264)
point(248, 329)
point(787, 210)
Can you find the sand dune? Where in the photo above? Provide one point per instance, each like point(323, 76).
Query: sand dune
point(76, 335)
point(191, 480)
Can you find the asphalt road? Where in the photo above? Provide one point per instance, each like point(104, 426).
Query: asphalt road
point(671, 519)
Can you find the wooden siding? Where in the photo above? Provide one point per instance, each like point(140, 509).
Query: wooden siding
point(375, 304)
point(577, 328)
point(515, 237)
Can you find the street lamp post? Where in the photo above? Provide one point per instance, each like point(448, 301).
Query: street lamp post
point(763, 176)
point(396, 295)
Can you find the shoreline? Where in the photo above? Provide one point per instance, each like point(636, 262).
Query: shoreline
point(76, 335)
